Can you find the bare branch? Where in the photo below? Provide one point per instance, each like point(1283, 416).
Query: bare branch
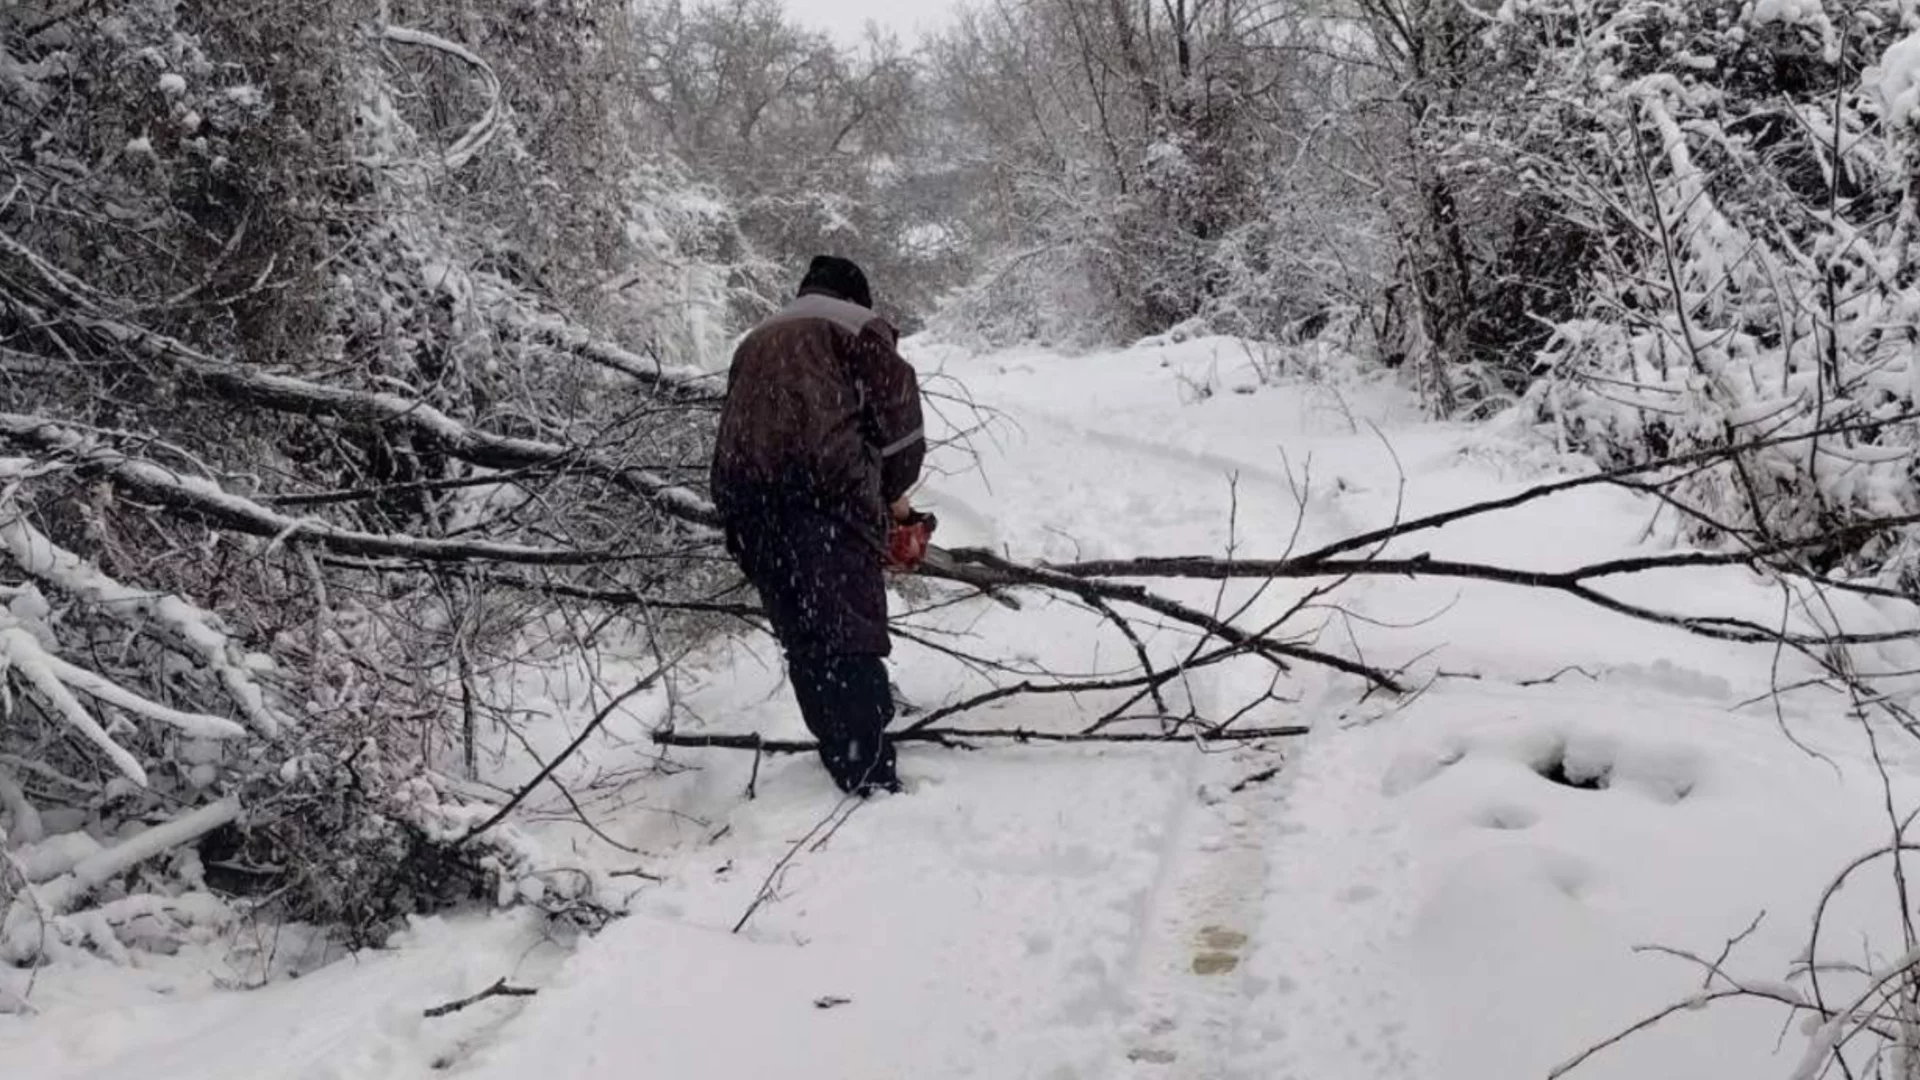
point(961, 737)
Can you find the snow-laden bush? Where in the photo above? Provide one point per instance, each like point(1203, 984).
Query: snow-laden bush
point(1042, 295)
point(1741, 173)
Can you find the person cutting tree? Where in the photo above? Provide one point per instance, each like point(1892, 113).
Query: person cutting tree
point(820, 441)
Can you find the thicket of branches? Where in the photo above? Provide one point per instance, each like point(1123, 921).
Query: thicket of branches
point(1737, 179)
point(305, 321)
point(1136, 167)
point(817, 146)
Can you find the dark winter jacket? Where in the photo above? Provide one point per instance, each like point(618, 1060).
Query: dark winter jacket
point(820, 433)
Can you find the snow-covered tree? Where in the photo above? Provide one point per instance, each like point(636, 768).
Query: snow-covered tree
point(1150, 165)
point(342, 345)
point(821, 148)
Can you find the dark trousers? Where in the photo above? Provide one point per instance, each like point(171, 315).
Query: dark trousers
point(820, 581)
point(847, 704)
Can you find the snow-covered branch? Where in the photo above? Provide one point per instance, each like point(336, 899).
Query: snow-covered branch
point(103, 866)
point(679, 380)
point(27, 828)
point(55, 680)
point(484, 129)
point(41, 915)
point(284, 393)
point(186, 627)
point(202, 497)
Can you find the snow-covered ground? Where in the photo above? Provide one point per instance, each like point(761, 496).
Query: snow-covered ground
point(1429, 888)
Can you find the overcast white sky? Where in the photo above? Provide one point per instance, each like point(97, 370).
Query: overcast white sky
point(846, 18)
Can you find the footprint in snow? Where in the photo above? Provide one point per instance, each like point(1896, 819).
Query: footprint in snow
point(1665, 675)
point(1219, 950)
point(1578, 761)
point(1359, 894)
point(1664, 774)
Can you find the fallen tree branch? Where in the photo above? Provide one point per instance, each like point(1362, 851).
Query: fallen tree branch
point(1214, 569)
point(207, 500)
point(1139, 648)
point(619, 597)
point(283, 393)
point(1026, 687)
point(177, 624)
point(1690, 1004)
point(680, 383)
point(1399, 529)
point(831, 824)
point(25, 658)
point(1003, 573)
point(1573, 582)
point(1255, 780)
point(63, 893)
point(961, 736)
point(99, 868)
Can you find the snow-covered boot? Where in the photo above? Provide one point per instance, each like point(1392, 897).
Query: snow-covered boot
point(862, 765)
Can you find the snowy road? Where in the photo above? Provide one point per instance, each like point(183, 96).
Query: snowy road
point(1412, 896)
point(1449, 888)
point(1042, 913)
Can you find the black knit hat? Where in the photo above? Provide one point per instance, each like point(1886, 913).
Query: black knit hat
point(838, 278)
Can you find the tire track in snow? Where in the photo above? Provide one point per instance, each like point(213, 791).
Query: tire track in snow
point(1185, 984)
point(1191, 988)
point(1219, 989)
point(1334, 998)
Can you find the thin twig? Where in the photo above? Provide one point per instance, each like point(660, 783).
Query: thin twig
point(766, 890)
point(499, 989)
point(561, 758)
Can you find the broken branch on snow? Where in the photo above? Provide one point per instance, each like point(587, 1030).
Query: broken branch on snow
point(1572, 582)
point(499, 989)
point(987, 569)
point(964, 736)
